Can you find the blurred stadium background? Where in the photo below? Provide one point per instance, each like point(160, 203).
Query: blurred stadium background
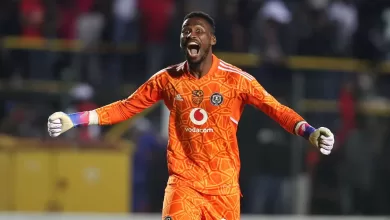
point(328, 59)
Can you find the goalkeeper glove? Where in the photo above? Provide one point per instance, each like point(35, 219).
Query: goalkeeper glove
point(59, 122)
point(322, 138)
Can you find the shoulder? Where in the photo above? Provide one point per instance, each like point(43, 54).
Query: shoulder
point(176, 70)
point(171, 72)
point(234, 72)
point(236, 77)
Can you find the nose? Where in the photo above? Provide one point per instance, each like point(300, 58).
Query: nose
point(190, 35)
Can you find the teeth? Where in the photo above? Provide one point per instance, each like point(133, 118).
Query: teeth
point(191, 50)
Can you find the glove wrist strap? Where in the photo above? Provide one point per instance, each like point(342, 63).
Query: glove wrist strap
point(80, 118)
point(304, 130)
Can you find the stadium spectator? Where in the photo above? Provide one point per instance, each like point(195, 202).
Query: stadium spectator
point(89, 30)
point(125, 31)
point(155, 18)
point(148, 146)
point(347, 105)
point(344, 14)
point(33, 15)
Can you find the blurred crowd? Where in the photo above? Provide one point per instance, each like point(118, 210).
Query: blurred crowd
point(126, 41)
point(273, 28)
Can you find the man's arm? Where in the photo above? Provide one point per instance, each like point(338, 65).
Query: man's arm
point(285, 116)
point(145, 96)
point(291, 121)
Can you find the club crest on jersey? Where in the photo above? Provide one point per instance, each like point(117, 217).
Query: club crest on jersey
point(197, 96)
point(198, 116)
point(216, 99)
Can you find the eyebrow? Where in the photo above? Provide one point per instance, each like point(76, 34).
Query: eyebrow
point(196, 24)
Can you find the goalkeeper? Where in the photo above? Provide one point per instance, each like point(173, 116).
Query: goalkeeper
point(206, 97)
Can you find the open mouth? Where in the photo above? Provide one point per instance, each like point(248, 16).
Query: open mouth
point(193, 48)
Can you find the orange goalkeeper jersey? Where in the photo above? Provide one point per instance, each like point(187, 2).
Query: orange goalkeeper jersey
point(202, 150)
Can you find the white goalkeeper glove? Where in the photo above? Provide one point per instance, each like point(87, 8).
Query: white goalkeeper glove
point(58, 123)
point(323, 139)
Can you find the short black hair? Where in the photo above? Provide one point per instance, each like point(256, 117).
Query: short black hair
point(203, 15)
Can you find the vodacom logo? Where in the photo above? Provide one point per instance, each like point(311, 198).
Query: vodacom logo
point(198, 116)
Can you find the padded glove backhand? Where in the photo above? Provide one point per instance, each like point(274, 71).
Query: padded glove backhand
point(323, 139)
point(59, 123)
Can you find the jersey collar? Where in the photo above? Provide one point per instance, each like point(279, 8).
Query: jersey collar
point(213, 69)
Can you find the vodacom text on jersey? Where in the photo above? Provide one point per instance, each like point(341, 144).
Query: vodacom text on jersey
point(198, 116)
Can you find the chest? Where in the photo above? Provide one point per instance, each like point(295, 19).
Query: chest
point(208, 95)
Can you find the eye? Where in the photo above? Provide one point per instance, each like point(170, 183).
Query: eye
point(198, 30)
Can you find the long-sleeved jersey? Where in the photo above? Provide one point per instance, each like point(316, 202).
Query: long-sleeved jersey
point(202, 150)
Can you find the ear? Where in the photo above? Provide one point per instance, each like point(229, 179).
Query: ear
point(213, 40)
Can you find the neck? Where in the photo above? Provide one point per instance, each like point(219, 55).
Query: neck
point(202, 68)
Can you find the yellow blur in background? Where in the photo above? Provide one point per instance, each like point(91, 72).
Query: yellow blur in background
point(54, 176)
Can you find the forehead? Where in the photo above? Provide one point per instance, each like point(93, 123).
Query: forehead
point(196, 21)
